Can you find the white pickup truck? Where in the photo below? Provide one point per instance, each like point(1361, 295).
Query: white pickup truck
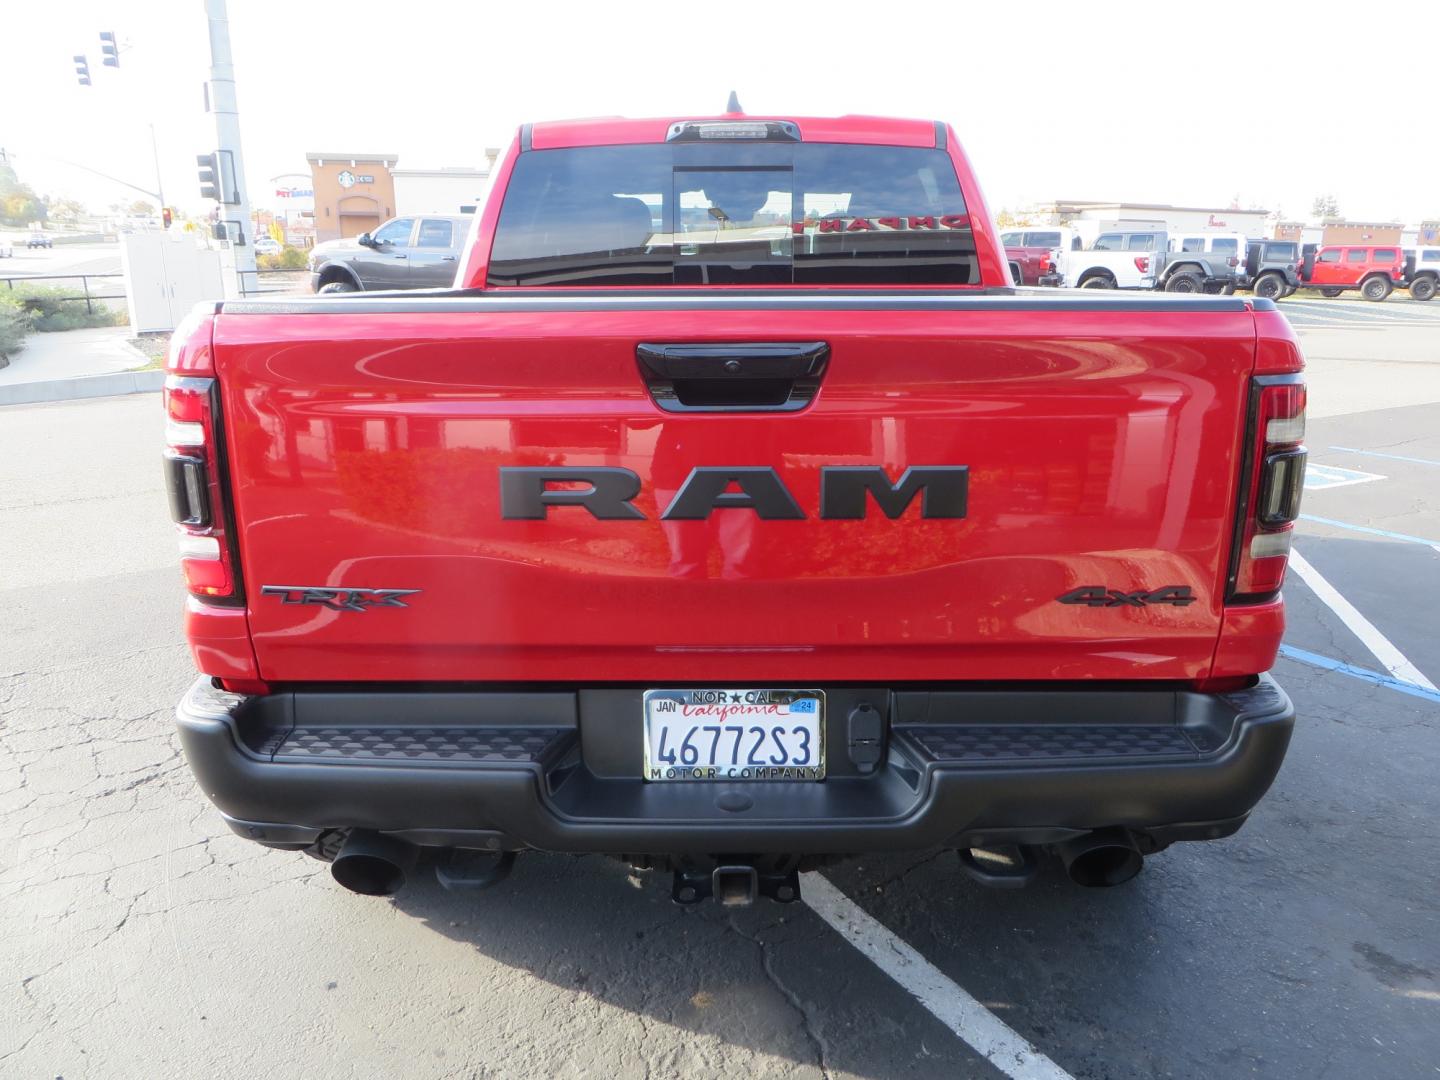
point(1115, 261)
point(1144, 259)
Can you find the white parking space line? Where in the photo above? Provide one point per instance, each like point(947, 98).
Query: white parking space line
point(986, 1033)
point(1390, 657)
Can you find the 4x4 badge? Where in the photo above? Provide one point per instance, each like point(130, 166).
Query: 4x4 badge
point(1099, 596)
point(339, 599)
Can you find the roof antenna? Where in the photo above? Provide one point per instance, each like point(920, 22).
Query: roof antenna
point(732, 107)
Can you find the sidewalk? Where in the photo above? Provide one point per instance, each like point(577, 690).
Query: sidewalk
point(68, 353)
point(76, 364)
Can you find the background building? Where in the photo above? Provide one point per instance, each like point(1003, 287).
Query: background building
point(353, 193)
point(293, 200)
point(455, 189)
point(1180, 219)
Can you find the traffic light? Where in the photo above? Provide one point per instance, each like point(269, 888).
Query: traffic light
point(109, 50)
point(209, 170)
point(82, 70)
point(167, 216)
point(217, 177)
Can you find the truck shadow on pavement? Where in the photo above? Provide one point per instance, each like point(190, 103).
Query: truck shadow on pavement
point(773, 981)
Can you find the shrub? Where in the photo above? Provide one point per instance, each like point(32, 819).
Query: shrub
point(52, 307)
point(15, 323)
point(290, 258)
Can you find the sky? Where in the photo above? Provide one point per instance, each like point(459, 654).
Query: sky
point(1188, 104)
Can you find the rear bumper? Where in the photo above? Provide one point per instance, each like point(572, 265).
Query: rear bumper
point(560, 770)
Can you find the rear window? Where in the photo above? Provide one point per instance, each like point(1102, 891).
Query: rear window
point(1281, 251)
point(1042, 239)
point(1224, 245)
point(734, 214)
point(1386, 255)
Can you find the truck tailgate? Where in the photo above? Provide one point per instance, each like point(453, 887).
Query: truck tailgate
point(365, 440)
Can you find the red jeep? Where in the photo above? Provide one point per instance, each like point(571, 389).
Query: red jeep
point(1375, 271)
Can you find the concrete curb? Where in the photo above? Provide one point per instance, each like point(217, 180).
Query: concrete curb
point(83, 386)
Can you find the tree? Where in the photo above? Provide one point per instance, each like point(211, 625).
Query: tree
point(18, 204)
point(1325, 206)
point(1004, 220)
point(141, 208)
point(66, 209)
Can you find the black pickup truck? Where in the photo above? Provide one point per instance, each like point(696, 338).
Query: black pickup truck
point(418, 252)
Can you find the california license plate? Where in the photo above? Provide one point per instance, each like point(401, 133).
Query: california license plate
point(734, 734)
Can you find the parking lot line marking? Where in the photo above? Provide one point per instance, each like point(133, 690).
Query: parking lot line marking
point(1391, 658)
point(1406, 537)
point(1392, 457)
point(1342, 668)
point(995, 1040)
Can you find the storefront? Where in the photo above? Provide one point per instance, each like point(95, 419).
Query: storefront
point(353, 193)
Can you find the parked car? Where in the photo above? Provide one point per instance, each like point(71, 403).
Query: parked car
point(39, 240)
point(1333, 269)
point(1141, 259)
point(1228, 246)
point(1271, 268)
point(1422, 272)
point(268, 245)
point(1033, 253)
point(405, 253)
point(580, 568)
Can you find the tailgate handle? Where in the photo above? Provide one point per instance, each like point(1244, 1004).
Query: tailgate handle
point(744, 376)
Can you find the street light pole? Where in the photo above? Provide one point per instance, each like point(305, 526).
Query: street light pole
point(227, 138)
point(159, 187)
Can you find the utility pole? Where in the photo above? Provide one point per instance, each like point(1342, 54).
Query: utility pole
point(223, 105)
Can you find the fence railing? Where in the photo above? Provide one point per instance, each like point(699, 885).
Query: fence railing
point(252, 283)
point(258, 282)
point(86, 295)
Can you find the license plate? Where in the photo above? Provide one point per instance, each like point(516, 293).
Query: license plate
point(731, 734)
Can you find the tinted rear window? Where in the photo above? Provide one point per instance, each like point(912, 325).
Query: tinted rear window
point(1386, 255)
point(1042, 239)
point(733, 214)
point(1224, 245)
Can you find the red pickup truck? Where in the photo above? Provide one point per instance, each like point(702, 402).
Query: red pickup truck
point(733, 514)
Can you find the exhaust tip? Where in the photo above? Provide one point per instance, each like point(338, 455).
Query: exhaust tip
point(1102, 860)
point(373, 864)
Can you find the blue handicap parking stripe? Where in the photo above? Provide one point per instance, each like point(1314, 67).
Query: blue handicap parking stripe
point(1363, 674)
point(1369, 529)
point(1392, 457)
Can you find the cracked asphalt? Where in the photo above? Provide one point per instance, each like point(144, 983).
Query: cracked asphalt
point(139, 938)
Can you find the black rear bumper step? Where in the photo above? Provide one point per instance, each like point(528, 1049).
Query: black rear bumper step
point(1056, 743)
point(559, 770)
point(448, 746)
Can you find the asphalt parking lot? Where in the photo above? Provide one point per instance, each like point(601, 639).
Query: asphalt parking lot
point(139, 938)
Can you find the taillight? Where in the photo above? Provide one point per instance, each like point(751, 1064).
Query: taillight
point(193, 475)
point(1142, 263)
point(1046, 265)
point(1272, 480)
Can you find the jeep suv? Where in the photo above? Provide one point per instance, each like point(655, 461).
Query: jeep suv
point(1375, 271)
point(1422, 272)
point(1271, 268)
